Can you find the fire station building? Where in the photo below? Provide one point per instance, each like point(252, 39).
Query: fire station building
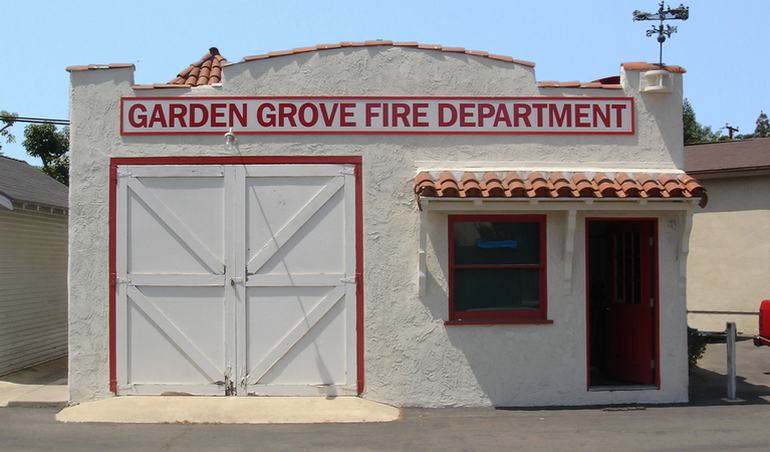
point(411, 224)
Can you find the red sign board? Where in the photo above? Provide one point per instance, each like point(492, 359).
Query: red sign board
point(376, 115)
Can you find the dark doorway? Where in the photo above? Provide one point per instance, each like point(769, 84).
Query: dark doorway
point(622, 302)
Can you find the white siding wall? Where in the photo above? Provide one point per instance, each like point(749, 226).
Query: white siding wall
point(33, 288)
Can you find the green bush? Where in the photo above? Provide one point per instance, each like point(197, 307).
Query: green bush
point(696, 346)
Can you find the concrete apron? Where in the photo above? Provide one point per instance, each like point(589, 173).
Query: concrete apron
point(229, 410)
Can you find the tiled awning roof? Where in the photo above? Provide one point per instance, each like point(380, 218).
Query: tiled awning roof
point(512, 184)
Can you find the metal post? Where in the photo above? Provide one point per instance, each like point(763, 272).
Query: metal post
point(730, 333)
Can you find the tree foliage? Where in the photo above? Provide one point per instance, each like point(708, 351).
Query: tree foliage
point(762, 130)
point(6, 121)
point(694, 132)
point(51, 145)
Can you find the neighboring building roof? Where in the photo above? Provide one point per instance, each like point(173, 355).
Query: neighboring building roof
point(22, 182)
point(511, 184)
point(728, 158)
point(206, 71)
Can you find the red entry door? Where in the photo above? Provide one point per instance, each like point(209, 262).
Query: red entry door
point(630, 341)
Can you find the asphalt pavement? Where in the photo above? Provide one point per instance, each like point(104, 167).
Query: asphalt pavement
point(706, 424)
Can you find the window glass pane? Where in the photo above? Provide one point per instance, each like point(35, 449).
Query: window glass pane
point(481, 242)
point(505, 289)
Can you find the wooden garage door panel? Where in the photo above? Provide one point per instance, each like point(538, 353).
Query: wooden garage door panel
point(273, 201)
point(324, 346)
point(298, 206)
point(199, 204)
point(304, 334)
point(316, 246)
point(235, 276)
point(168, 235)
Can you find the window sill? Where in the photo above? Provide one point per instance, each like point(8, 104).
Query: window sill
point(483, 322)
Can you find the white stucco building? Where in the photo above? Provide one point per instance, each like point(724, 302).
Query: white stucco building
point(419, 225)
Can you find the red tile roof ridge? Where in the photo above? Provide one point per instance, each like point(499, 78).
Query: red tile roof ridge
point(644, 66)
point(387, 43)
point(206, 71)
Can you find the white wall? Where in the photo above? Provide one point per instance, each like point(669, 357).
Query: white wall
point(728, 272)
point(33, 287)
point(411, 358)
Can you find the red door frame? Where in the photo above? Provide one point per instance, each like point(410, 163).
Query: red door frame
point(655, 292)
point(356, 161)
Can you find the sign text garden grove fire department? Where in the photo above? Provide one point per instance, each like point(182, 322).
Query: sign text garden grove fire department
point(376, 115)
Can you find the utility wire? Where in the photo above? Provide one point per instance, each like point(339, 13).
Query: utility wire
point(33, 120)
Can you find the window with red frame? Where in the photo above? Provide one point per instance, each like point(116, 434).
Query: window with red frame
point(497, 269)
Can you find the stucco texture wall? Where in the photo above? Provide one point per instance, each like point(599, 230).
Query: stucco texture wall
point(411, 358)
point(728, 272)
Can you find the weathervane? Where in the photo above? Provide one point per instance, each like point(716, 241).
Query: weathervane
point(680, 13)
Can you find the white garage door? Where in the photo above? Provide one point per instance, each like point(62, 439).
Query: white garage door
point(236, 279)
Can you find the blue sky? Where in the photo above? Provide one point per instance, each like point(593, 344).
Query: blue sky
point(723, 46)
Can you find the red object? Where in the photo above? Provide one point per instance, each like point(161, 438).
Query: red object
point(511, 184)
point(764, 324)
point(642, 319)
point(499, 317)
point(239, 160)
point(630, 341)
point(402, 131)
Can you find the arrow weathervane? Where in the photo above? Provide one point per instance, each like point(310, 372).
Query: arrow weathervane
point(680, 13)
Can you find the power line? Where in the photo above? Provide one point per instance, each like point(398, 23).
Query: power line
point(34, 120)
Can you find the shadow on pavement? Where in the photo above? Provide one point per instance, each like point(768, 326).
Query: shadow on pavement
point(48, 373)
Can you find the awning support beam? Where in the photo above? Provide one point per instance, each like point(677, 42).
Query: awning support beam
point(569, 248)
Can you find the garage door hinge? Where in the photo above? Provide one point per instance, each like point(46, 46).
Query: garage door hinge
point(124, 173)
point(122, 280)
point(348, 280)
point(348, 171)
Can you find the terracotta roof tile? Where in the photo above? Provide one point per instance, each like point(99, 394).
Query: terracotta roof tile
point(436, 47)
point(492, 186)
point(644, 66)
point(596, 84)
point(536, 184)
point(161, 86)
point(206, 71)
point(328, 46)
